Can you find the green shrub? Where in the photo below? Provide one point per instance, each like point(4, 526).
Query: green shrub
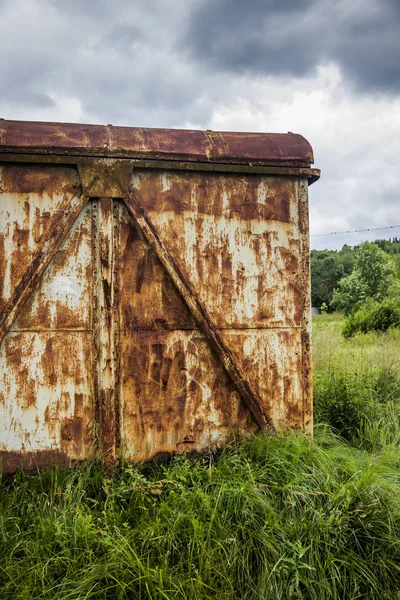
point(373, 316)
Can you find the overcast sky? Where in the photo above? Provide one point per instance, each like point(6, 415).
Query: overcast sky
point(328, 69)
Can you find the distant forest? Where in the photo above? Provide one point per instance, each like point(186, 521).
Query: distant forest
point(328, 267)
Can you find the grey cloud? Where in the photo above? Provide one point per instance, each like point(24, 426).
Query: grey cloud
point(30, 98)
point(164, 64)
point(115, 58)
point(173, 61)
point(24, 79)
point(122, 37)
point(292, 38)
point(97, 9)
point(257, 36)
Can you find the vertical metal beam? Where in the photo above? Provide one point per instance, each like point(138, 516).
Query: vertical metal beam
point(106, 325)
point(106, 180)
point(302, 193)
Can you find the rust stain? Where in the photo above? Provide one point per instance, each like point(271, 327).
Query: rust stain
point(48, 376)
point(174, 393)
point(3, 267)
point(36, 179)
point(23, 378)
point(32, 461)
point(148, 299)
point(250, 197)
point(75, 431)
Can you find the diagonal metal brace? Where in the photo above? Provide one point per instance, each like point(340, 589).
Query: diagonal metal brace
point(37, 267)
point(198, 311)
point(95, 175)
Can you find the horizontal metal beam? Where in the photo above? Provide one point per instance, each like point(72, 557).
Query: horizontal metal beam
point(311, 174)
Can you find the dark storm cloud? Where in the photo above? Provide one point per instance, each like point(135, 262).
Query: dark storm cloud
point(257, 35)
point(292, 37)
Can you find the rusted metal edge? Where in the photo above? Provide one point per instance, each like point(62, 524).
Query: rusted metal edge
point(216, 342)
point(137, 142)
point(105, 330)
point(311, 173)
point(38, 265)
point(307, 386)
point(33, 461)
point(116, 327)
point(95, 323)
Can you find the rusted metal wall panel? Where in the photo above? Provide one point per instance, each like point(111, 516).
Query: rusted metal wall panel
point(148, 299)
point(236, 240)
point(33, 201)
point(271, 360)
point(46, 395)
point(46, 359)
point(175, 395)
point(302, 195)
point(147, 309)
point(63, 298)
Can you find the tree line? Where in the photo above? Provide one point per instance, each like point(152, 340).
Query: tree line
point(363, 282)
point(328, 267)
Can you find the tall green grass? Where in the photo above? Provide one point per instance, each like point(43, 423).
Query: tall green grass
point(357, 384)
point(269, 517)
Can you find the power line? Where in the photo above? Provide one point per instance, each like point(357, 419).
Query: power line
point(354, 231)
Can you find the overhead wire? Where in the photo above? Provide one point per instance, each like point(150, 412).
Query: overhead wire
point(354, 231)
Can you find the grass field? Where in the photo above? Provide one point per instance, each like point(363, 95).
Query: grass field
point(281, 517)
point(357, 384)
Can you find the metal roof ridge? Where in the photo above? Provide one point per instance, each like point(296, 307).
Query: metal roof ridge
point(176, 144)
